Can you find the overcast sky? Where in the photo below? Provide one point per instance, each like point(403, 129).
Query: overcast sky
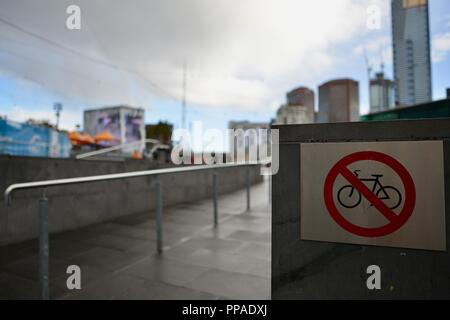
point(241, 56)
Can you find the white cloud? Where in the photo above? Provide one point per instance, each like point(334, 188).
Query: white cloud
point(22, 114)
point(440, 47)
point(378, 50)
point(240, 54)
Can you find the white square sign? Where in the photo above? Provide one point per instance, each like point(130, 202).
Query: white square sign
point(374, 193)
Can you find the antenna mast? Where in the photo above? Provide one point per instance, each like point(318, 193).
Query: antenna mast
point(183, 106)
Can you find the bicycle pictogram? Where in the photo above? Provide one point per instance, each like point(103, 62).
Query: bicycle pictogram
point(349, 197)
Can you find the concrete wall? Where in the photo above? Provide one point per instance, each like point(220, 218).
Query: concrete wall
point(79, 205)
point(318, 270)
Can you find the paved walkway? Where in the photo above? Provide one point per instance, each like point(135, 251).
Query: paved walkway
point(118, 259)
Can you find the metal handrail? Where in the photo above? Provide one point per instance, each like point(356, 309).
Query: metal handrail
point(118, 147)
point(115, 176)
point(43, 204)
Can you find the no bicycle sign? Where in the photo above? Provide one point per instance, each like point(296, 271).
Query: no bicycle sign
point(374, 196)
point(377, 193)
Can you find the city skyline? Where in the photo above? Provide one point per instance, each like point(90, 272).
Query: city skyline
point(263, 87)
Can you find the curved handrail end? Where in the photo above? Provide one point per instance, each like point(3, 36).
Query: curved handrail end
point(7, 195)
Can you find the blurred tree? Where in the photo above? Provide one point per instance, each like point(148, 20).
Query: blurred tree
point(161, 131)
point(42, 122)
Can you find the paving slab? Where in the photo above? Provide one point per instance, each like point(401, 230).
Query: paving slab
point(118, 258)
point(232, 285)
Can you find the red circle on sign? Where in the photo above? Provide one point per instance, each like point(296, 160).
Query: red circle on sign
point(395, 221)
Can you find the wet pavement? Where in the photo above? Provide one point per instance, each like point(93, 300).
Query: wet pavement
point(118, 258)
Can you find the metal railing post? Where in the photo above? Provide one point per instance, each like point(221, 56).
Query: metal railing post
point(43, 205)
point(270, 188)
point(43, 248)
point(159, 215)
point(215, 195)
point(248, 187)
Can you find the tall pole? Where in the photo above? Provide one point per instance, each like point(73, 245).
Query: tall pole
point(58, 108)
point(183, 111)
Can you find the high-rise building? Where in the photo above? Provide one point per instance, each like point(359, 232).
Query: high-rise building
point(411, 50)
point(339, 101)
point(382, 93)
point(301, 96)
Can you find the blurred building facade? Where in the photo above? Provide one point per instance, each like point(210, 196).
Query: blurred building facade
point(382, 93)
point(122, 124)
point(411, 51)
point(33, 140)
point(339, 101)
point(301, 96)
point(294, 114)
point(254, 137)
point(299, 108)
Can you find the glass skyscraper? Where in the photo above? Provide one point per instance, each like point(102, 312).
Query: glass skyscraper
point(411, 45)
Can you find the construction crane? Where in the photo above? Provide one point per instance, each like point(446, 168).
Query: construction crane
point(369, 73)
point(381, 96)
point(368, 66)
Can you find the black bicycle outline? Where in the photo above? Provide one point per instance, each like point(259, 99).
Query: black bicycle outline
point(376, 184)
